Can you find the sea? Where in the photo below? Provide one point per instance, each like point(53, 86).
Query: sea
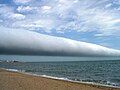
point(99, 71)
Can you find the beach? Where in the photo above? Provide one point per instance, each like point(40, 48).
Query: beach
point(10, 80)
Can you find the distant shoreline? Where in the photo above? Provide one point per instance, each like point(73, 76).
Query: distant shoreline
point(7, 75)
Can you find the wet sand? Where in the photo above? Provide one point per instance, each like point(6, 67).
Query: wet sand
point(18, 81)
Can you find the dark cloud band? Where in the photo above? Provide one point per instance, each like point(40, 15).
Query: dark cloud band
point(25, 42)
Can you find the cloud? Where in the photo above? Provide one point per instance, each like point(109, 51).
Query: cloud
point(25, 42)
point(21, 1)
point(7, 13)
point(44, 24)
point(4, 9)
point(46, 7)
point(25, 9)
point(16, 16)
point(93, 20)
point(101, 16)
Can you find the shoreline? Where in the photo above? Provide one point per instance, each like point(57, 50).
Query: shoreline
point(49, 78)
point(63, 79)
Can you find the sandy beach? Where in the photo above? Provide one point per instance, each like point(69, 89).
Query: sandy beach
point(18, 81)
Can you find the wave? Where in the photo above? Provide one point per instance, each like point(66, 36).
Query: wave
point(14, 70)
point(108, 84)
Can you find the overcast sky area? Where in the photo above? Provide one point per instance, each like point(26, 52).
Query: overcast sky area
point(26, 27)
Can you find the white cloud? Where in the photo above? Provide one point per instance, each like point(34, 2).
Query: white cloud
point(16, 16)
point(21, 1)
point(27, 42)
point(8, 14)
point(45, 24)
point(64, 15)
point(46, 7)
point(108, 5)
point(25, 8)
point(1, 21)
point(5, 9)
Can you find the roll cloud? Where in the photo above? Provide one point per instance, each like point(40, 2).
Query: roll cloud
point(24, 42)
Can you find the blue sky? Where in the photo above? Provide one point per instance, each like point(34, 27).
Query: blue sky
point(93, 21)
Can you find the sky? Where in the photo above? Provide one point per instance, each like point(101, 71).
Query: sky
point(92, 21)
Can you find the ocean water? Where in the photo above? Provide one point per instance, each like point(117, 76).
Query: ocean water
point(100, 72)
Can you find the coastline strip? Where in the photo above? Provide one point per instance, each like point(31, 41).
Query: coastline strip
point(12, 80)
